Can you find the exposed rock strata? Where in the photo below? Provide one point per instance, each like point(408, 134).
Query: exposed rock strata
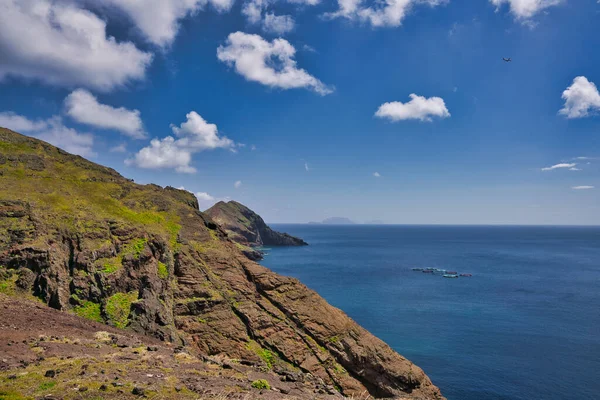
point(247, 228)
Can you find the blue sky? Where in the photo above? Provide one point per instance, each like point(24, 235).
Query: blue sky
point(282, 98)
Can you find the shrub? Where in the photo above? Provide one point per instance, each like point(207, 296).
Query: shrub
point(261, 384)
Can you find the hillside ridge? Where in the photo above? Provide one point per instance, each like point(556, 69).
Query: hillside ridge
point(81, 238)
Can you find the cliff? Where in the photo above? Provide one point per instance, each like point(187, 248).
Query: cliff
point(80, 238)
point(247, 228)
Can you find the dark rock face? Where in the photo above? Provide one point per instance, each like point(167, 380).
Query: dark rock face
point(247, 228)
point(85, 240)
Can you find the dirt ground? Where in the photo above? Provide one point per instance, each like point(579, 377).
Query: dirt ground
point(48, 354)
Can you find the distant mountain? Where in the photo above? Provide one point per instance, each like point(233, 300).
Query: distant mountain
point(335, 221)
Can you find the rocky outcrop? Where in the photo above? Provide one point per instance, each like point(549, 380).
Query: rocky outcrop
point(247, 228)
point(85, 240)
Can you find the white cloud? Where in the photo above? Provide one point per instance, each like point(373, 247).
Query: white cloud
point(582, 187)
point(389, 13)
point(59, 43)
point(559, 166)
point(83, 107)
point(237, 184)
point(574, 169)
point(199, 135)
point(278, 24)
point(580, 98)
point(121, 148)
point(306, 167)
point(67, 138)
point(193, 136)
point(269, 63)
point(376, 174)
point(163, 153)
point(158, 20)
point(253, 147)
point(52, 131)
point(19, 123)
point(418, 107)
point(525, 9)
point(204, 196)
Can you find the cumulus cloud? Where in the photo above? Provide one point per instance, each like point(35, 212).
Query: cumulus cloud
point(192, 136)
point(52, 131)
point(559, 166)
point(418, 107)
point(525, 9)
point(158, 20)
point(582, 187)
point(67, 138)
point(163, 153)
point(269, 63)
point(581, 98)
point(19, 123)
point(237, 184)
point(84, 107)
point(376, 174)
point(59, 43)
point(199, 135)
point(389, 13)
point(278, 24)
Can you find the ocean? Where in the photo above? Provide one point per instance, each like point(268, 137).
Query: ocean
point(525, 326)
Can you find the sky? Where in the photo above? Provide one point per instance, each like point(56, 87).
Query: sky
point(402, 111)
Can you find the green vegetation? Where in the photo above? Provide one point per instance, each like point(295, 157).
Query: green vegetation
point(111, 265)
point(334, 339)
point(265, 354)
point(261, 384)
point(8, 284)
point(135, 247)
point(89, 310)
point(10, 395)
point(163, 272)
point(46, 385)
point(118, 306)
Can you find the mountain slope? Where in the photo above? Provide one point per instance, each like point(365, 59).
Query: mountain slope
point(248, 228)
point(81, 238)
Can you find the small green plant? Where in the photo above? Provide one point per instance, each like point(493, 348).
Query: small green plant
point(137, 246)
point(46, 386)
point(261, 384)
point(163, 272)
point(89, 310)
point(118, 306)
point(111, 266)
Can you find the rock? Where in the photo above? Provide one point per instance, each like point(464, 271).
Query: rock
point(247, 228)
point(137, 391)
point(50, 373)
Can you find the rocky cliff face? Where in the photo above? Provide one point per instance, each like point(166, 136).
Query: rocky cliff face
point(81, 238)
point(247, 228)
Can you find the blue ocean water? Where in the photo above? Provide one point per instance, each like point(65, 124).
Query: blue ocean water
point(525, 326)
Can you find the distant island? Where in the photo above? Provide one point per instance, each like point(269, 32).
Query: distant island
point(335, 221)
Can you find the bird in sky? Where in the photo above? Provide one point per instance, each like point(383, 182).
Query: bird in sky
point(507, 59)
